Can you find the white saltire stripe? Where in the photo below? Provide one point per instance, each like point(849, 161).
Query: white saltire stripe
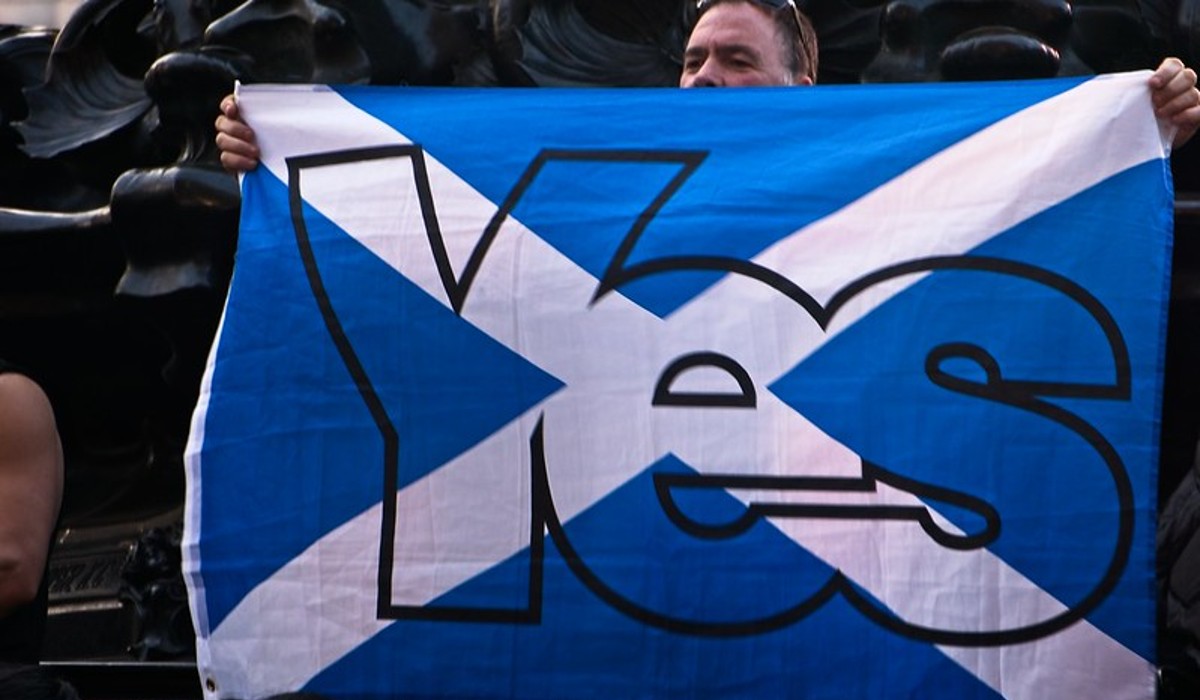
point(408, 253)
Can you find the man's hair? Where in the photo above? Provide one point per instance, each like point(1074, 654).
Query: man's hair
point(792, 26)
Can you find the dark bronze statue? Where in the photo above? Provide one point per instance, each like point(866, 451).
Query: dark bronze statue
point(117, 225)
point(1009, 39)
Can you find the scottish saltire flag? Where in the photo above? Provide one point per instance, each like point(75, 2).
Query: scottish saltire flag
point(768, 393)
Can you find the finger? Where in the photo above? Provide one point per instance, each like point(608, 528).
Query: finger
point(1186, 122)
point(1165, 72)
point(1181, 84)
point(1178, 104)
point(229, 106)
point(236, 163)
point(235, 129)
point(1188, 119)
point(236, 146)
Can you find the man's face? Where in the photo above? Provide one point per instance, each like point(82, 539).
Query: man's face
point(736, 44)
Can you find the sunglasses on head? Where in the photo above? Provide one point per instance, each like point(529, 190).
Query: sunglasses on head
point(774, 5)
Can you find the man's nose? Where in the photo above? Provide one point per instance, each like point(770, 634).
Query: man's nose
point(709, 75)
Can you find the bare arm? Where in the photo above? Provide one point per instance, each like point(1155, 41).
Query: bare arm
point(31, 483)
point(235, 140)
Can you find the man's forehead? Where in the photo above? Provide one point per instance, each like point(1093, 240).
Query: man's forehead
point(758, 6)
point(735, 18)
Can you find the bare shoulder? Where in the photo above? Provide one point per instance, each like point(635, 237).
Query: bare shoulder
point(27, 427)
point(31, 487)
point(24, 408)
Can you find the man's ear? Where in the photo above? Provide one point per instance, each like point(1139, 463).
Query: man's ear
point(804, 81)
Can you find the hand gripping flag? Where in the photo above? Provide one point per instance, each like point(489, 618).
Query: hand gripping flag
point(775, 393)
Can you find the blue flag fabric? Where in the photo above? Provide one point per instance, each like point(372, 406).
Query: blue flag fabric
point(829, 393)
